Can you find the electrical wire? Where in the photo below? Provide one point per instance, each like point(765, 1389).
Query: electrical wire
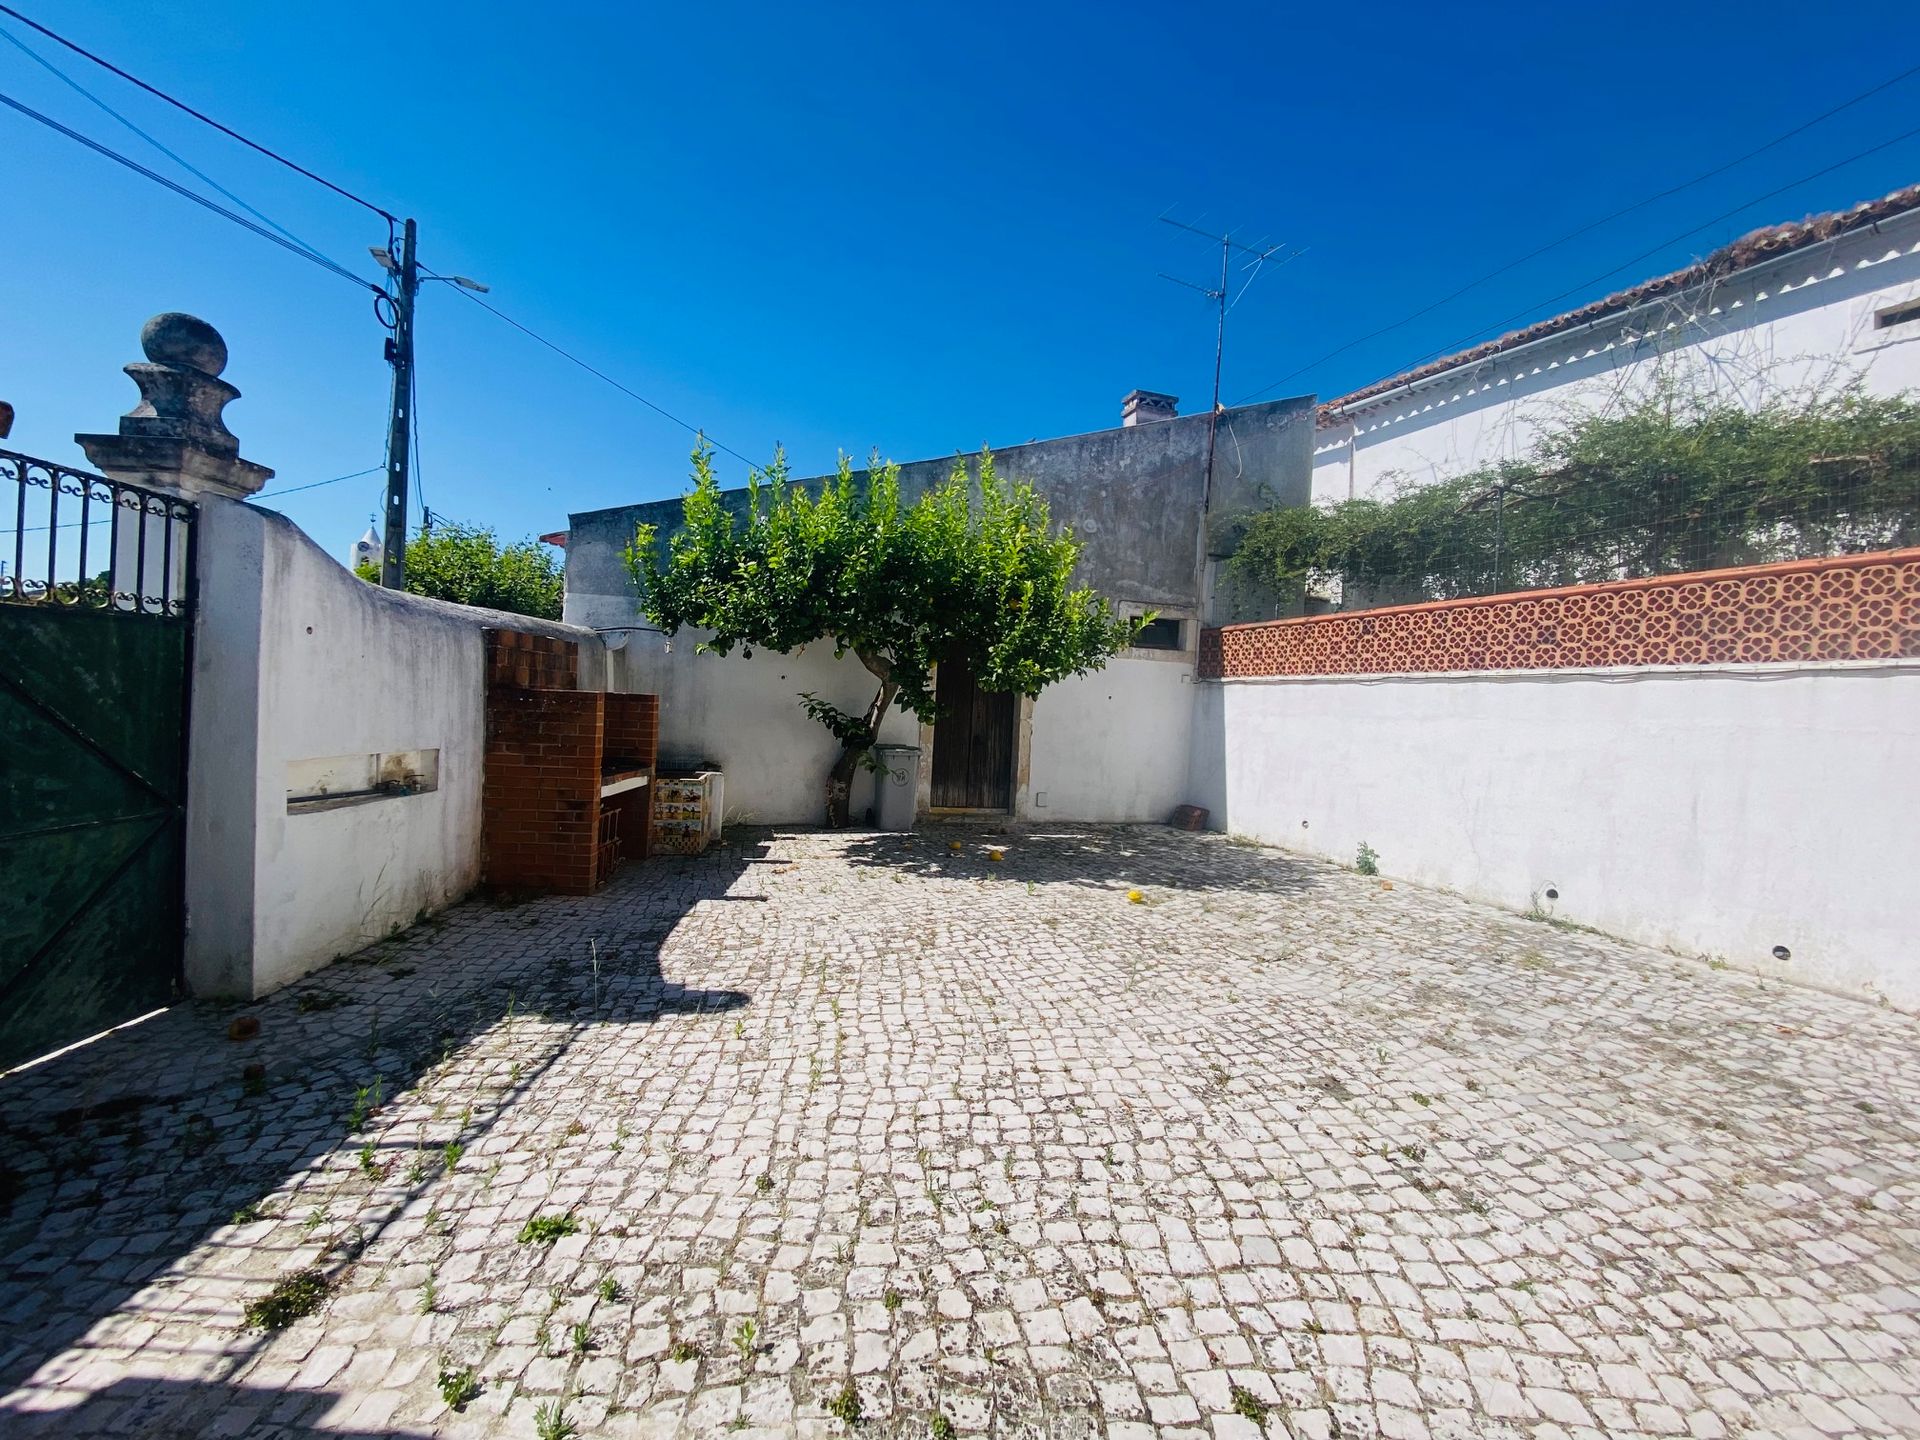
point(1647, 254)
point(205, 119)
point(591, 370)
point(1670, 191)
point(290, 490)
point(296, 489)
point(154, 175)
point(180, 160)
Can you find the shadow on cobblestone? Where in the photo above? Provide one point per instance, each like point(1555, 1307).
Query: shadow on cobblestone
point(146, 1172)
point(1108, 857)
point(156, 1409)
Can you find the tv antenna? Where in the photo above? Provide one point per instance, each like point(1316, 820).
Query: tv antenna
point(1254, 259)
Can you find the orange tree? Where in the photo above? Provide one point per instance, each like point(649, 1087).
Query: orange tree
point(969, 571)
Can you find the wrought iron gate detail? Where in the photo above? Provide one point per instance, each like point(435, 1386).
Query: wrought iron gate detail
point(93, 687)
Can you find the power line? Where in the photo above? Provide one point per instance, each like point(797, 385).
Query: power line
point(205, 119)
point(154, 175)
point(1670, 191)
point(106, 519)
point(180, 160)
point(598, 373)
point(296, 489)
point(1670, 240)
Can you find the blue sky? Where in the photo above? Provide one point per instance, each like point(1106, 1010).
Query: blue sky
point(915, 228)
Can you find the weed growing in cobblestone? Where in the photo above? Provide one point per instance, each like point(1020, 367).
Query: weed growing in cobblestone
point(891, 1298)
point(545, 1229)
point(1366, 860)
point(582, 1337)
point(1314, 1327)
point(366, 1100)
point(295, 1296)
point(451, 1152)
point(550, 1422)
point(1247, 1405)
point(608, 1288)
point(745, 1339)
point(845, 1406)
point(251, 1211)
point(459, 1386)
point(316, 1217)
point(1422, 1100)
point(198, 1136)
point(368, 1165)
point(764, 1184)
point(429, 1295)
point(681, 1351)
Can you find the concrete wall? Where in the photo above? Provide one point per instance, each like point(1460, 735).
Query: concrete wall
point(296, 660)
point(1800, 323)
point(745, 716)
point(1719, 812)
point(1110, 746)
point(1132, 496)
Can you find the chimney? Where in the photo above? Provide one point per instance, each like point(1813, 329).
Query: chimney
point(1142, 407)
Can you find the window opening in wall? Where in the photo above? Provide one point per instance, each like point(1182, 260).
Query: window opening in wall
point(1158, 634)
point(1896, 315)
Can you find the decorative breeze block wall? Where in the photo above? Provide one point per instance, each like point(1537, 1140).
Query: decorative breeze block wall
point(1854, 607)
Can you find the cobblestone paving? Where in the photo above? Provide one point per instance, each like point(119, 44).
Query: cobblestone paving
point(978, 1146)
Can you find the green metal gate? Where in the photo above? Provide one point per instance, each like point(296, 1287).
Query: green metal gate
point(95, 639)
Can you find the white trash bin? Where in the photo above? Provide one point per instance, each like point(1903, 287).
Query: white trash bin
point(895, 789)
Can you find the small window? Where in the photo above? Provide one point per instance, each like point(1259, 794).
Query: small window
point(1158, 634)
point(1896, 315)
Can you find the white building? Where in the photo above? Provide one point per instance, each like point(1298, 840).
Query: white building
point(1788, 310)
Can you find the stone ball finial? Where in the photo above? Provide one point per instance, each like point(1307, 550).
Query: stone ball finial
point(174, 338)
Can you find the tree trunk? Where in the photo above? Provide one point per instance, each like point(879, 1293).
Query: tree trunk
point(840, 777)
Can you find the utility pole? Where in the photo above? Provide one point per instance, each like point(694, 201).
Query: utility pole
point(406, 276)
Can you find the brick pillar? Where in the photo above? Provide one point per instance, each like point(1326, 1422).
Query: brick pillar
point(541, 796)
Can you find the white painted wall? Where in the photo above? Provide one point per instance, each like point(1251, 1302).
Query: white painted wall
point(1719, 812)
point(1801, 323)
point(745, 716)
point(296, 659)
point(1111, 746)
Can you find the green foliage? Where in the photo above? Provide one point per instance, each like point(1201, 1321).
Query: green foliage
point(469, 565)
point(972, 570)
point(1672, 483)
point(845, 1406)
point(545, 1229)
point(1366, 859)
point(458, 1386)
point(295, 1296)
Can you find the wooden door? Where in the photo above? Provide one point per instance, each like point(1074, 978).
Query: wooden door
point(972, 744)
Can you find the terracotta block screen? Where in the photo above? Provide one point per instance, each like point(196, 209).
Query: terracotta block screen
point(1855, 607)
point(541, 795)
point(532, 662)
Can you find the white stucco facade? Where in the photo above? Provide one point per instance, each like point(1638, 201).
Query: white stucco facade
point(1808, 321)
point(1718, 812)
point(298, 663)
